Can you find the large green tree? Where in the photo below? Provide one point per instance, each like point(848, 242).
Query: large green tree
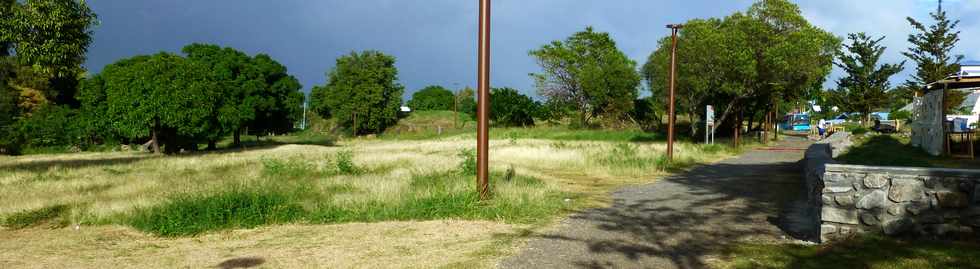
point(238, 85)
point(432, 98)
point(363, 86)
point(51, 36)
point(164, 97)
point(746, 63)
point(9, 110)
point(588, 71)
point(931, 51)
point(865, 87)
point(281, 98)
point(511, 108)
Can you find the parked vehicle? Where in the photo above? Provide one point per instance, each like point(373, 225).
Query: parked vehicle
point(795, 122)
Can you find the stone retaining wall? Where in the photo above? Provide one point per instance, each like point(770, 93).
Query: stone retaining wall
point(848, 199)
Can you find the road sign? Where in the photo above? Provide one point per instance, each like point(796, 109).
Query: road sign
point(709, 125)
point(710, 115)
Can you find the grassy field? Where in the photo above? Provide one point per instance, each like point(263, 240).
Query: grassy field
point(310, 183)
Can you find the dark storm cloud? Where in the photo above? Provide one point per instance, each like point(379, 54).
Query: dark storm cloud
point(434, 40)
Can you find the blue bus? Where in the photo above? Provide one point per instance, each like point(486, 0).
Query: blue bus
point(796, 122)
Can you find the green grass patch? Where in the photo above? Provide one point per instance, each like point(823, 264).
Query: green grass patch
point(237, 208)
point(55, 216)
point(894, 150)
point(863, 252)
point(453, 196)
point(885, 150)
point(289, 169)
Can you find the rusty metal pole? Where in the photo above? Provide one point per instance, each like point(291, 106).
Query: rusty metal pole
point(483, 104)
point(673, 77)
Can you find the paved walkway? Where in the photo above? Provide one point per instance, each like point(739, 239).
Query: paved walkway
point(681, 221)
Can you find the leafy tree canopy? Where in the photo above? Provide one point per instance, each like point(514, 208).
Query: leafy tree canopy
point(432, 98)
point(865, 87)
point(508, 107)
point(747, 61)
point(588, 71)
point(163, 96)
point(931, 51)
point(362, 86)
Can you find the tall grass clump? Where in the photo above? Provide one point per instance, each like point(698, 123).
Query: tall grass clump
point(55, 215)
point(194, 214)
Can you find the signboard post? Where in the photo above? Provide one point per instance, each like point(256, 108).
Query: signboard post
point(709, 125)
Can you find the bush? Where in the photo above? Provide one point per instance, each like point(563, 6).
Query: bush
point(196, 214)
point(511, 108)
point(468, 165)
point(901, 115)
point(432, 98)
point(50, 126)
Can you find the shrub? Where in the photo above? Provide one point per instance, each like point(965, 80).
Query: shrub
point(195, 214)
point(468, 165)
point(50, 126)
point(901, 115)
point(432, 98)
point(511, 108)
point(345, 163)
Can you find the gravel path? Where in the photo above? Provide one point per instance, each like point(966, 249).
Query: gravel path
point(682, 221)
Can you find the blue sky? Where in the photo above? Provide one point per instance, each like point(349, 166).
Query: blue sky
point(435, 40)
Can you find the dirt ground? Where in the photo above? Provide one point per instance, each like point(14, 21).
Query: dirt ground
point(430, 244)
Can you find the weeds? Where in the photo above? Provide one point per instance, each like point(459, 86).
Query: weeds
point(468, 165)
point(345, 163)
point(194, 214)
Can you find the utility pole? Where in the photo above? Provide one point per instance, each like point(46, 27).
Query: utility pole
point(483, 104)
point(674, 28)
point(305, 104)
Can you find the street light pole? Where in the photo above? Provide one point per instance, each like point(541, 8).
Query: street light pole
point(673, 77)
point(483, 104)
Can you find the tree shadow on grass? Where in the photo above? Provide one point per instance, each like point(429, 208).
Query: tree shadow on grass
point(683, 221)
point(45, 165)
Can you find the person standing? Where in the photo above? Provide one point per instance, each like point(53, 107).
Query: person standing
point(822, 128)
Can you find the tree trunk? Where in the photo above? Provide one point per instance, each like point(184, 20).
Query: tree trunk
point(238, 138)
point(693, 115)
point(212, 145)
point(154, 140)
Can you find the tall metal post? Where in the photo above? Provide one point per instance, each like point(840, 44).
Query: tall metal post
point(483, 104)
point(673, 76)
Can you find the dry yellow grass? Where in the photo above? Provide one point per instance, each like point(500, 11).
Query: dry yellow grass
point(428, 244)
point(99, 186)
